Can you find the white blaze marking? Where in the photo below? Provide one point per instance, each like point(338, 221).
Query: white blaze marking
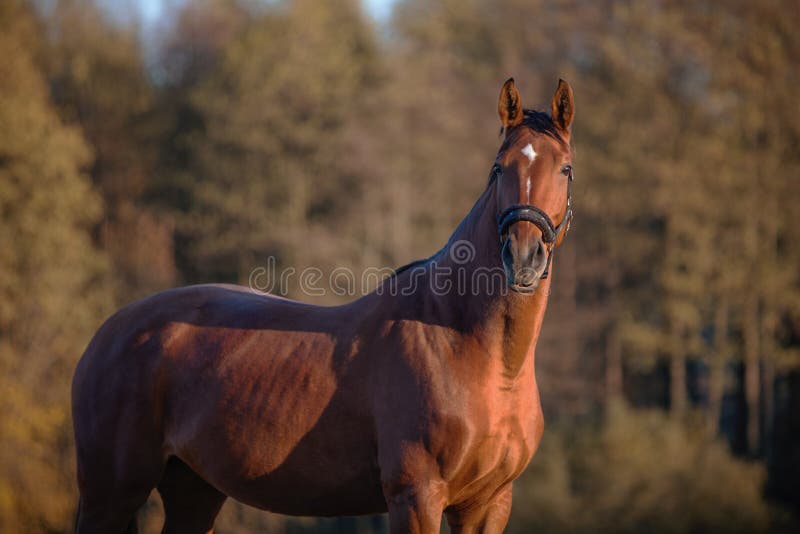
point(530, 153)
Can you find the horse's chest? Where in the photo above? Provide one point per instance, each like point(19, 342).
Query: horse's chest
point(490, 455)
point(503, 453)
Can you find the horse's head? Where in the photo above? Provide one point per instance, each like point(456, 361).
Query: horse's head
point(532, 174)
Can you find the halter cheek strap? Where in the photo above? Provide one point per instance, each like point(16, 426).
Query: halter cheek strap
point(532, 214)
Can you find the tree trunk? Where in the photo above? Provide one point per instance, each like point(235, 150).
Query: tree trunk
point(613, 368)
point(769, 406)
point(677, 373)
point(752, 373)
point(717, 368)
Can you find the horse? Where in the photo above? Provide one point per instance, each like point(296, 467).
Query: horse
point(418, 403)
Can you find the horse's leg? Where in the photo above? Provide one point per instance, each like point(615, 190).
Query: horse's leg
point(190, 503)
point(414, 510)
point(113, 512)
point(488, 519)
point(115, 480)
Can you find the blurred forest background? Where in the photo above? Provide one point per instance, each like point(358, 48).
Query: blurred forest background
point(138, 157)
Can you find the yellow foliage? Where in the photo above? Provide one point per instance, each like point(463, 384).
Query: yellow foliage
point(640, 470)
point(51, 286)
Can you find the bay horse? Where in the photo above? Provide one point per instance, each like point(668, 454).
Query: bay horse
point(419, 403)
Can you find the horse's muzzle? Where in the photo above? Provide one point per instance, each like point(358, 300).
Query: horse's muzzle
point(524, 263)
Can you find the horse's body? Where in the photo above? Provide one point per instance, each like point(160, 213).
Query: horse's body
point(414, 403)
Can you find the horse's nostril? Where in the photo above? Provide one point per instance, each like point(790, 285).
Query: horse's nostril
point(533, 257)
point(538, 253)
point(526, 278)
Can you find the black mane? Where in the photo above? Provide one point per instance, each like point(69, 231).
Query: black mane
point(541, 122)
point(411, 265)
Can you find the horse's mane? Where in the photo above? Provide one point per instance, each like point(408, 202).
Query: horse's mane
point(541, 122)
point(411, 265)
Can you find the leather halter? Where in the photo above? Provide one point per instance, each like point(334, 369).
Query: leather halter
point(532, 214)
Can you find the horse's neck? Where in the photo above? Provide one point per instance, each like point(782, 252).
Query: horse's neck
point(522, 320)
point(505, 321)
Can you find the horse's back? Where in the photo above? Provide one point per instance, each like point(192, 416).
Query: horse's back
point(169, 340)
point(137, 335)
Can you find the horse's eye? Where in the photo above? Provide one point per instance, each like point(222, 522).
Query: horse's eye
point(496, 172)
point(566, 170)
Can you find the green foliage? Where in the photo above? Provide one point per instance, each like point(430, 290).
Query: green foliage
point(299, 130)
point(99, 81)
point(51, 285)
point(640, 470)
point(274, 116)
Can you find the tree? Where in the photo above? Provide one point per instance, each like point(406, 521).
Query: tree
point(98, 79)
point(53, 283)
point(266, 157)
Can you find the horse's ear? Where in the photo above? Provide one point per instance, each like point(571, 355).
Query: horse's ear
point(509, 106)
point(563, 107)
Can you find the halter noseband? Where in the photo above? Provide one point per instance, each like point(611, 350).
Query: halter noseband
point(532, 214)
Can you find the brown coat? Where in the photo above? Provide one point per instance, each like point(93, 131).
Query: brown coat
point(418, 403)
